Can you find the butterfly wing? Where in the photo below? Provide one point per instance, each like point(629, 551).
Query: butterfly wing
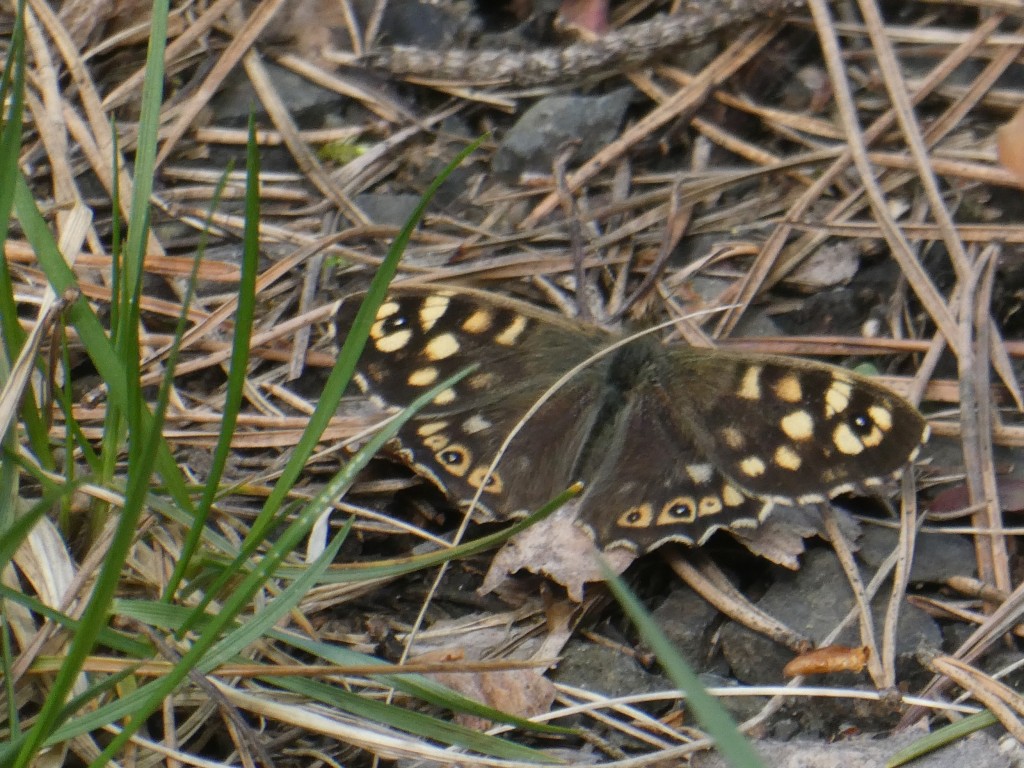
point(456, 451)
point(673, 444)
point(653, 483)
point(419, 339)
point(792, 430)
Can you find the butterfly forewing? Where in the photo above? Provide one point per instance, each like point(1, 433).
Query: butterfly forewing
point(419, 339)
point(792, 429)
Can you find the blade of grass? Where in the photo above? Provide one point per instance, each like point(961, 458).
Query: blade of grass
point(12, 92)
point(389, 569)
point(708, 712)
point(941, 738)
point(143, 430)
point(351, 349)
point(412, 683)
point(198, 655)
point(12, 338)
point(90, 331)
point(334, 388)
point(207, 653)
point(239, 365)
point(109, 638)
point(416, 723)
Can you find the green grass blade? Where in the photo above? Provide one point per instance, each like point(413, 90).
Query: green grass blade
point(239, 365)
point(12, 91)
point(408, 721)
point(412, 683)
point(708, 712)
point(334, 388)
point(121, 372)
point(942, 737)
point(254, 579)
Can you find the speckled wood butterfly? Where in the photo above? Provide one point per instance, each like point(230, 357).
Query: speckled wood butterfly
point(672, 443)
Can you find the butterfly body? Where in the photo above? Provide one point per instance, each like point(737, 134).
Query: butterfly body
point(672, 443)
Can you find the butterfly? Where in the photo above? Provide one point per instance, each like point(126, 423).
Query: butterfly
point(671, 442)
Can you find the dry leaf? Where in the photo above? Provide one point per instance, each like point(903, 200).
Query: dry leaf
point(556, 548)
point(588, 16)
point(520, 692)
point(1010, 145)
point(781, 537)
point(1011, 497)
point(831, 265)
point(831, 658)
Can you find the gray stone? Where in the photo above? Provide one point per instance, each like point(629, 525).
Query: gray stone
point(936, 556)
point(686, 618)
point(980, 750)
point(533, 142)
point(604, 670)
point(387, 209)
point(813, 601)
point(237, 98)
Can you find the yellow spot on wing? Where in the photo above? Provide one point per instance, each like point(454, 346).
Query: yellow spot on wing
point(752, 466)
point(491, 482)
point(444, 397)
point(837, 399)
point(709, 505)
point(699, 473)
point(478, 322)
point(639, 516)
point(441, 346)
point(682, 509)
point(788, 389)
point(431, 428)
point(436, 442)
point(423, 377)
point(481, 381)
point(511, 334)
point(432, 309)
point(386, 310)
point(798, 425)
point(881, 416)
point(846, 441)
point(873, 438)
point(393, 341)
point(455, 458)
point(731, 496)
point(475, 423)
point(787, 458)
point(750, 386)
point(733, 438)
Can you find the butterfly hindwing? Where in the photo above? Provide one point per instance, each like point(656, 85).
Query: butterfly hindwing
point(456, 451)
point(654, 484)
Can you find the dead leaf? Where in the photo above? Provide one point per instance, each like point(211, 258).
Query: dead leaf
point(831, 658)
point(781, 537)
point(556, 548)
point(520, 692)
point(832, 264)
point(587, 16)
point(1010, 145)
point(1011, 497)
